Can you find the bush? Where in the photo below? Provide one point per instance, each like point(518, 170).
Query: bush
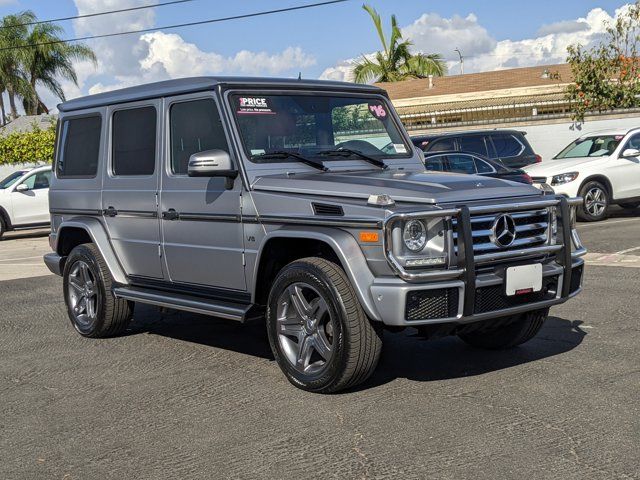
point(35, 146)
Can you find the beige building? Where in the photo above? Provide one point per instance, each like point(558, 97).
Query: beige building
point(503, 97)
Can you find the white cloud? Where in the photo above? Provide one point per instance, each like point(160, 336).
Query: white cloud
point(170, 56)
point(431, 33)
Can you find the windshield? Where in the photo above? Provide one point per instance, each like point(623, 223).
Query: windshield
point(597, 146)
point(11, 179)
point(325, 127)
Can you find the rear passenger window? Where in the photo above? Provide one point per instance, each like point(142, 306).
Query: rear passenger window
point(507, 145)
point(436, 164)
point(444, 145)
point(461, 164)
point(134, 141)
point(483, 167)
point(195, 127)
point(79, 147)
point(473, 144)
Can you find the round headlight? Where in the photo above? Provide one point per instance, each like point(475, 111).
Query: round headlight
point(415, 235)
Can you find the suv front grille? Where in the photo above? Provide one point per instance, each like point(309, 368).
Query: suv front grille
point(539, 179)
point(531, 231)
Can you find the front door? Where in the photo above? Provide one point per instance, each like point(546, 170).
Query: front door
point(130, 187)
point(624, 172)
point(201, 226)
point(31, 206)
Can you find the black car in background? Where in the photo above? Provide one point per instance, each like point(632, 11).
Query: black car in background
point(507, 146)
point(473, 163)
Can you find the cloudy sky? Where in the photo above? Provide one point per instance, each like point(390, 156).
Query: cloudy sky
point(319, 43)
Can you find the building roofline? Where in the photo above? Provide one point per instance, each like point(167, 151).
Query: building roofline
point(199, 84)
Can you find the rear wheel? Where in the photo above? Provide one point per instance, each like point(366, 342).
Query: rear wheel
point(521, 330)
point(91, 306)
point(630, 205)
point(595, 203)
point(319, 334)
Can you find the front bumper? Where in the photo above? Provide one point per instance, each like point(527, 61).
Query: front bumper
point(400, 303)
point(466, 293)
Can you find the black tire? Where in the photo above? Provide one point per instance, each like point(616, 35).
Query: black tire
point(630, 205)
point(111, 315)
point(587, 211)
point(511, 335)
point(356, 342)
point(3, 226)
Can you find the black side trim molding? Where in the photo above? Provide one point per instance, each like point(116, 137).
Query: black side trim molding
point(75, 211)
point(203, 291)
point(315, 221)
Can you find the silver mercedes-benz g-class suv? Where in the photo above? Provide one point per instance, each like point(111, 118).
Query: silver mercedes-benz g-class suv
point(303, 203)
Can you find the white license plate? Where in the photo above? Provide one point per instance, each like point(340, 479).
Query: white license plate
point(523, 279)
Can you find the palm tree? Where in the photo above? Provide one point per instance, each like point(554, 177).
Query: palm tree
point(13, 33)
point(395, 62)
point(48, 61)
point(35, 56)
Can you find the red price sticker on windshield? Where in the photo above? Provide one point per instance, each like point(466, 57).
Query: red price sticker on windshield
point(377, 110)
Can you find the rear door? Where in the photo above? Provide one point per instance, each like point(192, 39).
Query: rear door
point(32, 206)
point(130, 187)
point(624, 172)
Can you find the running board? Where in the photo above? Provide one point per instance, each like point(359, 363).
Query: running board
point(188, 303)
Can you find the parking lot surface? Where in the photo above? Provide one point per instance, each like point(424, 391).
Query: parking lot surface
point(187, 396)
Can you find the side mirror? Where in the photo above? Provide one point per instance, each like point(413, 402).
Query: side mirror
point(23, 187)
point(212, 163)
point(631, 152)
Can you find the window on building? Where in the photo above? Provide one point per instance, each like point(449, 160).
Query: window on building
point(134, 141)
point(80, 147)
point(195, 127)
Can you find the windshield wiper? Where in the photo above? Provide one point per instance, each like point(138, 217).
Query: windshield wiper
point(348, 152)
point(284, 154)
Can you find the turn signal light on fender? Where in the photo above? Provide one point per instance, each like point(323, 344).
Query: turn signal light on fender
point(369, 237)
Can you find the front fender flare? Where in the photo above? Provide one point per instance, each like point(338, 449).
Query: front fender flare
point(99, 237)
point(347, 250)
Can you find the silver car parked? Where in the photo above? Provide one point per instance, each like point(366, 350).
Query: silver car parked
point(303, 203)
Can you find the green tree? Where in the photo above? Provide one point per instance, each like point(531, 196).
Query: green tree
point(607, 75)
point(32, 57)
point(395, 62)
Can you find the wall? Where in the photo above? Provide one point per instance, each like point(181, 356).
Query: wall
point(548, 140)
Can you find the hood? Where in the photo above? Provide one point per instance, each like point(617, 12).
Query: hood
point(556, 167)
point(422, 187)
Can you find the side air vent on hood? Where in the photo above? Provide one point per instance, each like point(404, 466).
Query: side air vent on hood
point(328, 210)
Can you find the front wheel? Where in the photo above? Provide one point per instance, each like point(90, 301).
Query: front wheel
point(318, 332)
point(521, 330)
point(3, 227)
point(595, 203)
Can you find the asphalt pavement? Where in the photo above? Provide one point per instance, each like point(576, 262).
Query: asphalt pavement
point(187, 396)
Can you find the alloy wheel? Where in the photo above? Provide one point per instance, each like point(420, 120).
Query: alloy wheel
point(595, 201)
point(83, 293)
point(305, 328)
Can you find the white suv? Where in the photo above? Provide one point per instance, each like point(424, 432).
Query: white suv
point(24, 199)
point(601, 167)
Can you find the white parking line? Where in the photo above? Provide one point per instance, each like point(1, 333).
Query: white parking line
point(612, 260)
point(606, 224)
point(19, 259)
point(628, 250)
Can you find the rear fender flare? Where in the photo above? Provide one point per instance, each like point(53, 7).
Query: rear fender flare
point(99, 237)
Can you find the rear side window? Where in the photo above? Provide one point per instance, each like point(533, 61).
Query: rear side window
point(473, 144)
point(436, 164)
point(195, 127)
point(461, 164)
point(483, 167)
point(442, 145)
point(80, 147)
point(134, 141)
point(507, 145)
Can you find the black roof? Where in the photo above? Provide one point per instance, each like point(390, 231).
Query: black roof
point(466, 132)
point(198, 84)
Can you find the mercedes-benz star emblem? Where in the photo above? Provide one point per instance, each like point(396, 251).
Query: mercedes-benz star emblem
point(503, 232)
